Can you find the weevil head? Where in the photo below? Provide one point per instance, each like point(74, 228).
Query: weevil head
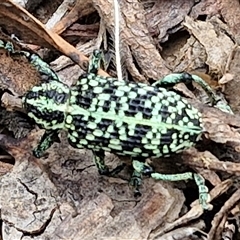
point(47, 104)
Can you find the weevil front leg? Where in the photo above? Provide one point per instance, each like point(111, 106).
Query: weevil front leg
point(48, 138)
point(144, 169)
point(98, 157)
point(95, 61)
point(7, 46)
point(41, 66)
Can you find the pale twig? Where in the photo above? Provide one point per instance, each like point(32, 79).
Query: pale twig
point(117, 39)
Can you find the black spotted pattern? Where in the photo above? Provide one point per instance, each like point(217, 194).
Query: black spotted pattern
point(51, 118)
point(58, 98)
point(117, 130)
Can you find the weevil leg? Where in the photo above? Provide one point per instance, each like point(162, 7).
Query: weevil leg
point(95, 61)
point(48, 138)
point(204, 197)
point(7, 45)
point(215, 99)
point(136, 182)
point(102, 167)
point(98, 157)
point(144, 169)
point(42, 67)
point(174, 78)
point(2, 44)
point(136, 178)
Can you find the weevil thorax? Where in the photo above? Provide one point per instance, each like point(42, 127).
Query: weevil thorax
point(47, 104)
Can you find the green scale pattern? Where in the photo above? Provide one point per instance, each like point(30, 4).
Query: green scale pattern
point(103, 113)
point(129, 119)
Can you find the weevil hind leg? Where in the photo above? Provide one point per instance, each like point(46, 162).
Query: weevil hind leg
point(144, 169)
point(174, 78)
